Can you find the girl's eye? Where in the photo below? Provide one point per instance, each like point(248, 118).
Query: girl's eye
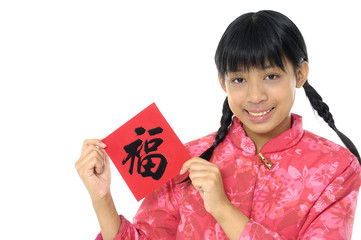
point(272, 77)
point(238, 80)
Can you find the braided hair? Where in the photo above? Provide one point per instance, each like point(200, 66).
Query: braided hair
point(226, 120)
point(322, 110)
point(243, 46)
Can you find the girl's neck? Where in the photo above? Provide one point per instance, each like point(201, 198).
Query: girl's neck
point(260, 139)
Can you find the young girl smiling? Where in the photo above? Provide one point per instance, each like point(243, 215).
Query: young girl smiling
point(261, 175)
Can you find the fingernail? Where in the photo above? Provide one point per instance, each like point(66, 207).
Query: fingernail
point(181, 171)
point(103, 145)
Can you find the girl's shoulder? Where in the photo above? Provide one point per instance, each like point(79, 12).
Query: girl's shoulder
point(324, 151)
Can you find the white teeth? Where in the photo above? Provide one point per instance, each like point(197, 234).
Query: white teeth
point(259, 114)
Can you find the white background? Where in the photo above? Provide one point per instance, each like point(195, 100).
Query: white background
point(73, 69)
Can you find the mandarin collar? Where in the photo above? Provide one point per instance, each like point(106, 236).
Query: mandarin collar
point(281, 142)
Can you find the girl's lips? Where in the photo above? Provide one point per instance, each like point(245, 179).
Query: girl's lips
point(260, 110)
point(259, 115)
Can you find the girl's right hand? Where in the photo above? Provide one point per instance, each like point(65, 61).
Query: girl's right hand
point(94, 169)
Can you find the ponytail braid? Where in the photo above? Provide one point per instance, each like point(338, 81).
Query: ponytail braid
point(226, 120)
point(323, 111)
point(222, 131)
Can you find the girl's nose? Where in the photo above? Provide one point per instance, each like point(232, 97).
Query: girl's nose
point(256, 93)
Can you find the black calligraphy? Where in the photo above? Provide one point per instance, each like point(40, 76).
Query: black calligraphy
point(149, 164)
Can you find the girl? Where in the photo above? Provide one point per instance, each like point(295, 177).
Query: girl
point(261, 176)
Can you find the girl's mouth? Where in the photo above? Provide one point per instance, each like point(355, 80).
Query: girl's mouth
point(259, 116)
point(260, 113)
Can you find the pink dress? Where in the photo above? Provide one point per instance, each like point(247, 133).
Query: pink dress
point(309, 193)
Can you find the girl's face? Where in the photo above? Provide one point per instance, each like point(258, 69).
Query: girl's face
point(262, 98)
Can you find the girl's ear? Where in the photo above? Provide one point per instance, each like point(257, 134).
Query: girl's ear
point(302, 74)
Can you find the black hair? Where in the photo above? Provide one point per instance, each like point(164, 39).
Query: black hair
point(257, 39)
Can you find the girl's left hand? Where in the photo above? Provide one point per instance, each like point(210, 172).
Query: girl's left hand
point(207, 179)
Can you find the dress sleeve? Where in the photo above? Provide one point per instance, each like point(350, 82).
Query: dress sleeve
point(157, 217)
point(331, 216)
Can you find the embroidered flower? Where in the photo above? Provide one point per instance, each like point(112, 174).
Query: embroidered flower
point(248, 146)
point(276, 157)
point(320, 205)
point(162, 198)
point(334, 146)
point(312, 144)
point(304, 209)
point(329, 195)
point(197, 150)
point(208, 234)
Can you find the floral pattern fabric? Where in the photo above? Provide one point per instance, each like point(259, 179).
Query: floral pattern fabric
point(309, 193)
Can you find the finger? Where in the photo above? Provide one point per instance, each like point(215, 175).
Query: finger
point(196, 164)
point(202, 167)
point(187, 165)
point(87, 148)
point(91, 148)
point(201, 174)
point(95, 142)
point(199, 183)
point(205, 183)
point(209, 173)
point(87, 151)
point(85, 159)
point(99, 165)
point(89, 159)
point(93, 164)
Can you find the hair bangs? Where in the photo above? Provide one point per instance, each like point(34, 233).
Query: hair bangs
point(251, 53)
point(250, 42)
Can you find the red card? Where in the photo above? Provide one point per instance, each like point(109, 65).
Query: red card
point(146, 151)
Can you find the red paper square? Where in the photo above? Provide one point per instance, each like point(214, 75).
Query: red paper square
point(148, 142)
